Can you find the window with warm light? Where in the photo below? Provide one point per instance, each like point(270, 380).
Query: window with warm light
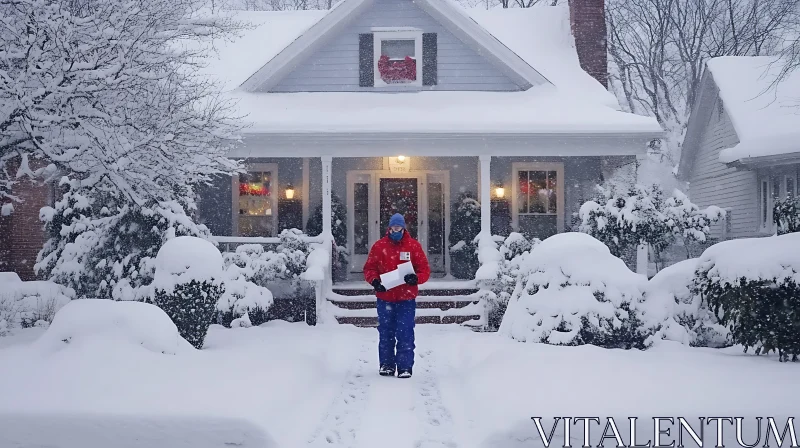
point(256, 204)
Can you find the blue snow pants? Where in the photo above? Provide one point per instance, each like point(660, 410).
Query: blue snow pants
point(396, 329)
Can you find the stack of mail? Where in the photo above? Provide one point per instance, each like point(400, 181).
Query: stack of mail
point(397, 277)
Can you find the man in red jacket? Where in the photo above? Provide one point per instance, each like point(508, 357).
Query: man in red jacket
point(396, 306)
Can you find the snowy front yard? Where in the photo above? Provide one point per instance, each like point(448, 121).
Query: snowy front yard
point(318, 386)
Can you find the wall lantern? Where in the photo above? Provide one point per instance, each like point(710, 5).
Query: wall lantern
point(500, 192)
point(289, 192)
point(401, 159)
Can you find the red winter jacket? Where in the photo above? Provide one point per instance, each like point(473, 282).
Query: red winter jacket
point(384, 256)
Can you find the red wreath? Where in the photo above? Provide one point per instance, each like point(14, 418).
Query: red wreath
point(397, 71)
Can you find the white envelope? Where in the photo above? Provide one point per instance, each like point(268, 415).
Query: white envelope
point(395, 278)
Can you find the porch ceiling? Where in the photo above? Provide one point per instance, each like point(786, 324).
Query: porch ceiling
point(441, 144)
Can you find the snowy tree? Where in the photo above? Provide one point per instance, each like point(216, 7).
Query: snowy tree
point(465, 224)
point(107, 91)
point(104, 247)
point(658, 50)
point(643, 215)
point(786, 215)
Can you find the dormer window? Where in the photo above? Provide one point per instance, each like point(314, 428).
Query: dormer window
point(397, 56)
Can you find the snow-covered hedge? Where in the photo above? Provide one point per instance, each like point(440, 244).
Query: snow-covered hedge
point(754, 286)
point(27, 304)
point(672, 306)
point(188, 284)
point(134, 324)
point(571, 291)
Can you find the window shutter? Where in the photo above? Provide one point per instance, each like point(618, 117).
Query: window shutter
point(429, 59)
point(366, 55)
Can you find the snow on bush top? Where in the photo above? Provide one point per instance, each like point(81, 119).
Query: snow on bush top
point(578, 259)
point(133, 323)
point(186, 258)
point(774, 258)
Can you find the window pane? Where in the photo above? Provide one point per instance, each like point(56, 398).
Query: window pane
point(764, 201)
point(255, 204)
point(790, 187)
point(776, 188)
point(398, 49)
point(361, 218)
point(552, 185)
point(538, 191)
point(522, 192)
point(397, 62)
point(435, 218)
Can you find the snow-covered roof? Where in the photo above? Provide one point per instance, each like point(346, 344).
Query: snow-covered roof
point(572, 102)
point(765, 115)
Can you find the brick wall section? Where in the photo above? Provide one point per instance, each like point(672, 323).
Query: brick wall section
point(22, 233)
point(588, 23)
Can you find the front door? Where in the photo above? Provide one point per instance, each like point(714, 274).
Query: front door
point(373, 197)
point(400, 195)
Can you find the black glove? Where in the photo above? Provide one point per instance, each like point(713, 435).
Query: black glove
point(378, 286)
point(411, 279)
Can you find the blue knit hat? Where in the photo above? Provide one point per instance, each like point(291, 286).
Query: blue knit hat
point(397, 220)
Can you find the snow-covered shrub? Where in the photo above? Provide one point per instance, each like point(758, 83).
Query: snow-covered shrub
point(32, 303)
point(753, 284)
point(249, 271)
point(338, 229)
point(514, 249)
point(103, 247)
point(135, 324)
point(188, 284)
point(573, 291)
point(671, 305)
point(644, 215)
point(465, 224)
point(786, 215)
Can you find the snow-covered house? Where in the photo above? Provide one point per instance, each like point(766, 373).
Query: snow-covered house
point(742, 146)
point(401, 105)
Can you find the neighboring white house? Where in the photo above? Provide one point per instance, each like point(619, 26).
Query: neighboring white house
point(742, 146)
point(401, 105)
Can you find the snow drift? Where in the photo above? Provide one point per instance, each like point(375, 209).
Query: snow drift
point(89, 321)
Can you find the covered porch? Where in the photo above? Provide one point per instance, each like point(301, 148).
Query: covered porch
point(528, 184)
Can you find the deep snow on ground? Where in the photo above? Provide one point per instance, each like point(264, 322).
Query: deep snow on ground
point(318, 386)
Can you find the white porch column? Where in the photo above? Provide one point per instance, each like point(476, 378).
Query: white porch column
point(326, 199)
point(486, 199)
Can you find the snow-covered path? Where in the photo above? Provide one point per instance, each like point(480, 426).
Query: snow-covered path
point(319, 386)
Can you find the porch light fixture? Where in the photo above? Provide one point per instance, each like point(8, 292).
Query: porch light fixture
point(500, 192)
point(401, 159)
point(289, 192)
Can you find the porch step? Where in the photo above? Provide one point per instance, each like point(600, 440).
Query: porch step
point(422, 292)
point(361, 310)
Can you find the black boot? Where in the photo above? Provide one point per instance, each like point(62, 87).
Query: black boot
point(386, 371)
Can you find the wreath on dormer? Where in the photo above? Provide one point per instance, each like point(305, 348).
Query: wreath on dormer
point(399, 70)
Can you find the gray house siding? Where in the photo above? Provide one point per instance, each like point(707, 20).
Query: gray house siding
point(334, 68)
point(714, 183)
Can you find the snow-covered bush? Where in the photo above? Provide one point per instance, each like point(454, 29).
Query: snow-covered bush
point(103, 247)
point(188, 284)
point(786, 215)
point(754, 286)
point(680, 315)
point(135, 324)
point(573, 291)
point(28, 304)
point(644, 215)
point(465, 224)
point(250, 270)
point(514, 248)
